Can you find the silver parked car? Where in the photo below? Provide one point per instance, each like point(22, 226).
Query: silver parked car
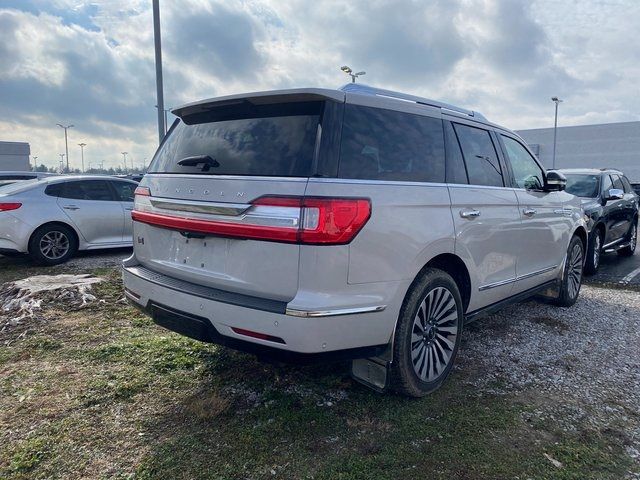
point(359, 223)
point(7, 177)
point(53, 217)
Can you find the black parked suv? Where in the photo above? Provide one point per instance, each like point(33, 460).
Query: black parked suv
point(611, 210)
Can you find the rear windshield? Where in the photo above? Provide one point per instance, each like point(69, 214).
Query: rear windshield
point(582, 185)
point(270, 140)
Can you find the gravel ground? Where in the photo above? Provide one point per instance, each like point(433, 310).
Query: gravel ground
point(583, 361)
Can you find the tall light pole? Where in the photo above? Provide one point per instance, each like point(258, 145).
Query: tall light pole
point(159, 88)
point(82, 145)
point(35, 164)
point(555, 100)
point(66, 143)
point(61, 162)
point(124, 159)
point(349, 72)
point(166, 121)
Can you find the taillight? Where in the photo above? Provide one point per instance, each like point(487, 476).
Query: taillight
point(304, 220)
point(333, 220)
point(6, 206)
point(144, 191)
point(323, 220)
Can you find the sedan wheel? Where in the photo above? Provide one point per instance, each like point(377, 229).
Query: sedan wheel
point(54, 245)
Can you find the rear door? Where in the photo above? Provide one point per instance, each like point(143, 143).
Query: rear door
point(486, 218)
point(92, 207)
point(612, 212)
point(124, 191)
point(221, 168)
point(626, 206)
point(546, 225)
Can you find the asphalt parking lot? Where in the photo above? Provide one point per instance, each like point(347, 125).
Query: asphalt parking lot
point(617, 270)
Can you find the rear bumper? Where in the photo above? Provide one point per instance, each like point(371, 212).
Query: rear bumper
point(14, 233)
point(211, 315)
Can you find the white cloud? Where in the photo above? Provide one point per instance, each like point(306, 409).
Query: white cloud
point(91, 63)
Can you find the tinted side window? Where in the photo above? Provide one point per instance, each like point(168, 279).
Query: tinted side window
point(617, 183)
point(124, 190)
point(526, 171)
point(54, 190)
point(386, 145)
point(87, 190)
point(456, 171)
point(607, 183)
point(627, 185)
point(480, 156)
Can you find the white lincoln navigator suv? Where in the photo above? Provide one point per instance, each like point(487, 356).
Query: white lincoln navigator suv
point(359, 223)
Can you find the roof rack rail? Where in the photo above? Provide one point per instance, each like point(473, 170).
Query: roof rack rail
point(380, 92)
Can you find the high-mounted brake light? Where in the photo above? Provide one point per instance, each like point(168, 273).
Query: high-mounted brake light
point(303, 220)
point(5, 207)
point(143, 191)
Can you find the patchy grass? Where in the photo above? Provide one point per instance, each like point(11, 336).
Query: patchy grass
point(101, 392)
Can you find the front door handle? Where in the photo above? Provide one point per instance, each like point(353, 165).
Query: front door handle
point(469, 213)
point(529, 212)
point(71, 207)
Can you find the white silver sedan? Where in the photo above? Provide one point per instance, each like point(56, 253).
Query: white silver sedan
point(52, 218)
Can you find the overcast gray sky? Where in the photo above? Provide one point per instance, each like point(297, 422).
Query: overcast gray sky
point(91, 63)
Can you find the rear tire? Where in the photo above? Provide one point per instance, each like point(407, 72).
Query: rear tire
point(629, 250)
point(572, 276)
point(593, 253)
point(52, 244)
point(428, 334)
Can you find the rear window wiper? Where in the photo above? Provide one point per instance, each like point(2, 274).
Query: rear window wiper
point(205, 160)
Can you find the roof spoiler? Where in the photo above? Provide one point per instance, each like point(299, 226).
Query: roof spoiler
point(260, 98)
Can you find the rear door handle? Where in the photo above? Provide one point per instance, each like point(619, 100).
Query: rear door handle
point(529, 212)
point(469, 213)
point(71, 207)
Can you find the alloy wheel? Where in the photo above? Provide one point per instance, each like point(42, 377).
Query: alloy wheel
point(54, 245)
point(433, 335)
point(596, 251)
point(575, 271)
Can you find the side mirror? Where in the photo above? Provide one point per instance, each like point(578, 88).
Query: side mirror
point(614, 194)
point(554, 181)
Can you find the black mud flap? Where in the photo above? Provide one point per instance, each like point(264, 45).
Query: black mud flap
point(371, 372)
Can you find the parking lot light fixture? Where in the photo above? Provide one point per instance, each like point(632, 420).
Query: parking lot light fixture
point(66, 143)
point(555, 100)
point(349, 72)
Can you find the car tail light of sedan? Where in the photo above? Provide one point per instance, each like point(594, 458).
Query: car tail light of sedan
point(6, 206)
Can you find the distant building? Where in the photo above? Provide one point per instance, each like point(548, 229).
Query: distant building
point(615, 145)
point(14, 156)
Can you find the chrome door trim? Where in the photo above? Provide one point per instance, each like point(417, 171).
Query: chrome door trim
point(538, 272)
point(521, 277)
point(496, 284)
point(330, 313)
